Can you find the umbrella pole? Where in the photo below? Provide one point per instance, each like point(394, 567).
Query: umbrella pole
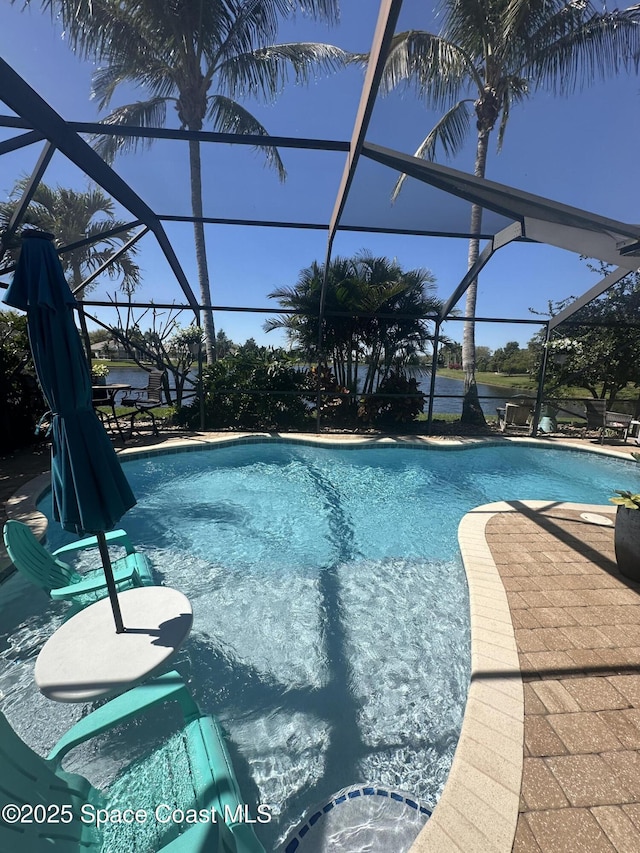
point(111, 584)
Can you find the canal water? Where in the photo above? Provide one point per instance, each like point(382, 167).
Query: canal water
point(493, 395)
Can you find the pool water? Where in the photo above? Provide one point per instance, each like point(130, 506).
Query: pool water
point(331, 623)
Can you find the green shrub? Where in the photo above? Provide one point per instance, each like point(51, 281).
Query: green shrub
point(232, 400)
point(22, 402)
point(336, 409)
point(388, 411)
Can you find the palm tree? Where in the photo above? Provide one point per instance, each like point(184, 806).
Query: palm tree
point(399, 303)
point(489, 56)
point(338, 333)
point(376, 287)
point(73, 216)
point(200, 56)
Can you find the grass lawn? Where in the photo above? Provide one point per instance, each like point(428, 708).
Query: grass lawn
point(122, 363)
point(524, 382)
point(521, 381)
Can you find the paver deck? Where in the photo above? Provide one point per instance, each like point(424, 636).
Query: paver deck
point(577, 630)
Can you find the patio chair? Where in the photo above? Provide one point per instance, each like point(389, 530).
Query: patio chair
point(598, 418)
point(514, 415)
point(49, 790)
point(145, 400)
point(59, 580)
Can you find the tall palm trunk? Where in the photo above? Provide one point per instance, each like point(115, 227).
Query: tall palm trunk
point(201, 253)
point(471, 409)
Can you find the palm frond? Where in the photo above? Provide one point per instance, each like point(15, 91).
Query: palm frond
point(256, 22)
point(131, 274)
point(90, 26)
point(156, 78)
point(450, 132)
point(99, 227)
point(515, 91)
point(473, 25)
point(265, 71)
point(438, 68)
point(91, 202)
point(150, 113)
point(577, 46)
point(123, 266)
point(521, 18)
point(326, 10)
point(227, 116)
point(282, 321)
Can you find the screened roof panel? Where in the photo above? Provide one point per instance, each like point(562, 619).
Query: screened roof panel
point(419, 207)
point(15, 165)
point(60, 172)
point(156, 183)
point(14, 138)
point(159, 174)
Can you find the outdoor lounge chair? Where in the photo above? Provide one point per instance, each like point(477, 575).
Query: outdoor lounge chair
point(39, 786)
point(59, 580)
point(146, 399)
point(598, 418)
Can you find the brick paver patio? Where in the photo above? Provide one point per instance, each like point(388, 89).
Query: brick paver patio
point(577, 628)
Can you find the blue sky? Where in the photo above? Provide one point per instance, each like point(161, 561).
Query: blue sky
point(577, 150)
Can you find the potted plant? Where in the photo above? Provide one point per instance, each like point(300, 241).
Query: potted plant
point(99, 372)
point(627, 533)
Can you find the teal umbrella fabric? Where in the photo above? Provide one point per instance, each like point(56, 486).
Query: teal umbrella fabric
point(90, 490)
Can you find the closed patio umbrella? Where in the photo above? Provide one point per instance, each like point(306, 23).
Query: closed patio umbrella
point(90, 490)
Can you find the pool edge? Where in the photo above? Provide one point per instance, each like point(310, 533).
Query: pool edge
point(463, 820)
point(478, 809)
point(479, 806)
point(22, 505)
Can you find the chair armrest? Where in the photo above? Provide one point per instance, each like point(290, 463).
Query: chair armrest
point(94, 583)
point(114, 537)
point(165, 688)
point(132, 395)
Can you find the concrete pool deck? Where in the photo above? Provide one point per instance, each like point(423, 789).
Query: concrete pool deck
point(548, 759)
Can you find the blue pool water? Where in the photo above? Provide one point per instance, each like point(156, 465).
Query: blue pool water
point(331, 628)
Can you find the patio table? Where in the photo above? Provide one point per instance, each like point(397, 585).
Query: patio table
point(109, 399)
point(86, 659)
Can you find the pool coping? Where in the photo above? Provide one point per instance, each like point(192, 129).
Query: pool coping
point(22, 505)
point(479, 806)
point(478, 809)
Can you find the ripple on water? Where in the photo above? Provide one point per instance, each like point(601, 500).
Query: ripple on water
point(331, 629)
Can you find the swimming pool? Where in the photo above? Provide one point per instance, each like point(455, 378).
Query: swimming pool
point(330, 609)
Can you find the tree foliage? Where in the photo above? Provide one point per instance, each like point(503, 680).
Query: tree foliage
point(71, 216)
point(376, 317)
point(511, 359)
point(22, 401)
point(489, 56)
point(202, 57)
point(255, 388)
point(598, 348)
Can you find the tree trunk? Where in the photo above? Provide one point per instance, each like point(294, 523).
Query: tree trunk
point(471, 409)
point(201, 252)
point(84, 331)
